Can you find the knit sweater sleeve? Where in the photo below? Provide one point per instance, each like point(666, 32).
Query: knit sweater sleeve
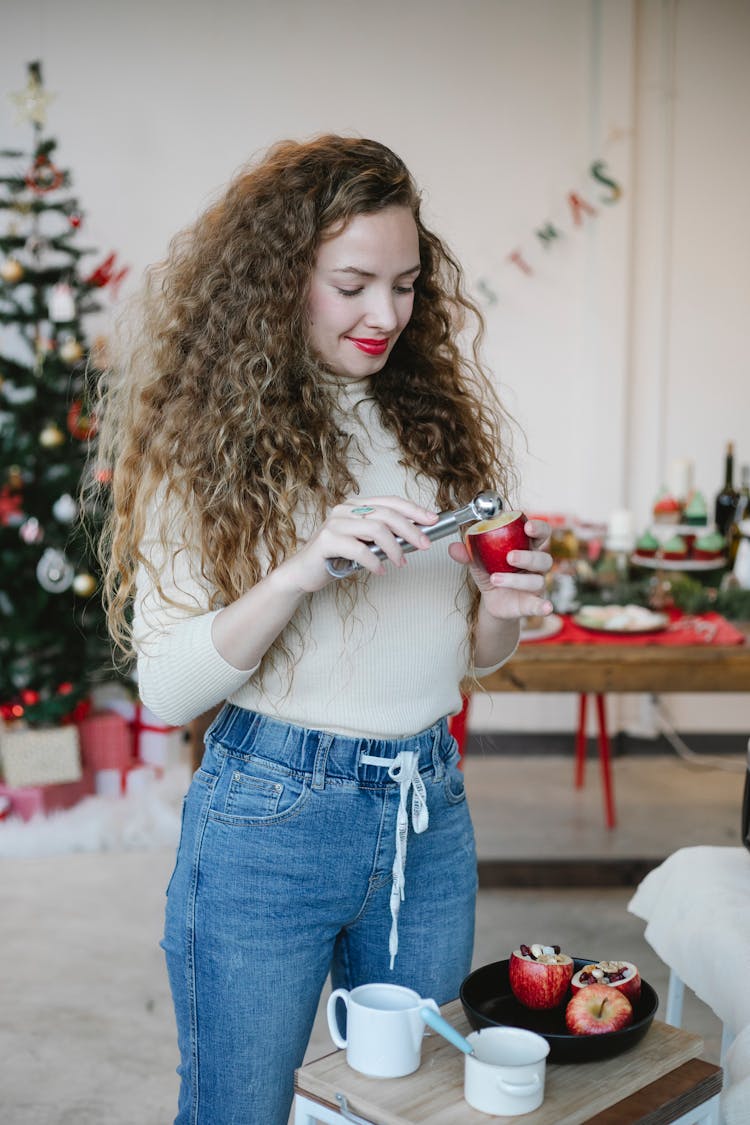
point(180, 672)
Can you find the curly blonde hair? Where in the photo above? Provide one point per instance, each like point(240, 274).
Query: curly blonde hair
point(220, 402)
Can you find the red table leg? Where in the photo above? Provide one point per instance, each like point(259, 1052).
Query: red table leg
point(457, 724)
point(605, 763)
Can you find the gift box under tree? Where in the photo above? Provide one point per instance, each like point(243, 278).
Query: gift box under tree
point(39, 756)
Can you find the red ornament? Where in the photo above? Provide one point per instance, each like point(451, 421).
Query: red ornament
point(65, 688)
point(107, 273)
point(43, 176)
point(10, 506)
point(30, 697)
point(79, 712)
point(75, 220)
point(81, 423)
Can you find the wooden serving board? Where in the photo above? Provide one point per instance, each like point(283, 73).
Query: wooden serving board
point(574, 1092)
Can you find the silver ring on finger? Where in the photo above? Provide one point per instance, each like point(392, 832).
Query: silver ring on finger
point(362, 511)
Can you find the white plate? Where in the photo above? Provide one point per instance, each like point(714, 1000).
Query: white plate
point(644, 621)
point(550, 627)
point(678, 564)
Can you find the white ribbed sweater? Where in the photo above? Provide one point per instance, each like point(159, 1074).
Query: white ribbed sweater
point(388, 669)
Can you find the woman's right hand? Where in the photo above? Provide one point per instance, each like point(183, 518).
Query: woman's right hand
point(349, 530)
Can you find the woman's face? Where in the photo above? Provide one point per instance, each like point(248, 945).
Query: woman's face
point(362, 291)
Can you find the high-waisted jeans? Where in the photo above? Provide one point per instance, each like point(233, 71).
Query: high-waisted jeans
point(287, 869)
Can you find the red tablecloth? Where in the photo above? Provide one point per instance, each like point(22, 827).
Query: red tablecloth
point(683, 629)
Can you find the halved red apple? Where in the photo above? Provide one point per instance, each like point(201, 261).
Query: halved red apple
point(489, 541)
point(539, 975)
point(622, 975)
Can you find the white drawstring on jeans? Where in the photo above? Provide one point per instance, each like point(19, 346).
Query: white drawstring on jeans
point(403, 769)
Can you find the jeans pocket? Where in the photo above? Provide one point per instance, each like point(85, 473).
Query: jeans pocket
point(252, 796)
point(255, 792)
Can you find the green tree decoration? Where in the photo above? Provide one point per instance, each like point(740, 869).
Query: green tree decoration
point(53, 640)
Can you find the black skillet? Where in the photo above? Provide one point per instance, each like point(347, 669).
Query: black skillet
point(488, 1002)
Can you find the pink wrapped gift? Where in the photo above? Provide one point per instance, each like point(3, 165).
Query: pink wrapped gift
point(33, 800)
point(106, 741)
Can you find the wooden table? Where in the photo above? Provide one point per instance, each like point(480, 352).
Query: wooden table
point(660, 1081)
point(599, 669)
point(658, 669)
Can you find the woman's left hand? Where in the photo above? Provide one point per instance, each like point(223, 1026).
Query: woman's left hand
point(515, 594)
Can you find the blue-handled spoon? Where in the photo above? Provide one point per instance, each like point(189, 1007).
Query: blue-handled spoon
point(437, 1023)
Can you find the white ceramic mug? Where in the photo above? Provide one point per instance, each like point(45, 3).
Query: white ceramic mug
point(384, 1029)
point(505, 1075)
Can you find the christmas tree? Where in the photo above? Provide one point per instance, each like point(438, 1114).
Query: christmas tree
point(53, 641)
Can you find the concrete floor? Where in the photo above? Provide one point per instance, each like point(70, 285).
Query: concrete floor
point(86, 1027)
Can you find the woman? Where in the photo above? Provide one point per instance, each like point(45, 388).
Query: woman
point(297, 394)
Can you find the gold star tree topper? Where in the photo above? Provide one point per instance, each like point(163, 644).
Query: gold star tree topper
point(33, 100)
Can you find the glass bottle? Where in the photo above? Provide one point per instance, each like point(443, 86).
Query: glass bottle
point(727, 497)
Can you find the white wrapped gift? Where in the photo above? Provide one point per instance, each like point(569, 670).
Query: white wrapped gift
point(39, 756)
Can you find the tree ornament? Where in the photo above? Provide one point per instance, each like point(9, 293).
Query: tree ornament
point(43, 176)
point(33, 100)
point(35, 245)
point(81, 422)
point(65, 508)
point(31, 531)
point(15, 478)
point(70, 351)
point(54, 571)
point(11, 507)
point(84, 585)
point(51, 436)
point(61, 304)
point(75, 220)
point(11, 271)
point(107, 273)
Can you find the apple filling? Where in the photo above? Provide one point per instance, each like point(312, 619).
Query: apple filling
point(544, 954)
point(622, 975)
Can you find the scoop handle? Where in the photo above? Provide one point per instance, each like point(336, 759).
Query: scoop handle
point(437, 1023)
point(485, 505)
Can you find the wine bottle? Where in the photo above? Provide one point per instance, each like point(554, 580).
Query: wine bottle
point(727, 497)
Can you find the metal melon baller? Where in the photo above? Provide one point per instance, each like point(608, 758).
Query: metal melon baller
point(484, 506)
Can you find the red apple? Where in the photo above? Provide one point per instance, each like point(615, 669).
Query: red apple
point(622, 975)
point(596, 1009)
point(540, 975)
point(489, 541)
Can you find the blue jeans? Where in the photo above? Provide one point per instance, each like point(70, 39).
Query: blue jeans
point(284, 873)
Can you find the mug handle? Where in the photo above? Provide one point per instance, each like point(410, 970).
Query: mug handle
point(333, 1027)
point(519, 1088)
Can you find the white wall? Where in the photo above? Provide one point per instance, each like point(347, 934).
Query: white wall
point(626, 347)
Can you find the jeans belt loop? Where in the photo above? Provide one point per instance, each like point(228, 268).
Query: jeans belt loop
point(321, 760)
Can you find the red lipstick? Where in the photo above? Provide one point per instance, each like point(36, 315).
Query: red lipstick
point(369, 347)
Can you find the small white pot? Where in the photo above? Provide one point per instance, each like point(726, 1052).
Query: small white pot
point(505, 1075)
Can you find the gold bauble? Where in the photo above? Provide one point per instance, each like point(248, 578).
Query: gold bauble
point(70, 351)
point(11, 271)
point(84, 585)
point(51, 436)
